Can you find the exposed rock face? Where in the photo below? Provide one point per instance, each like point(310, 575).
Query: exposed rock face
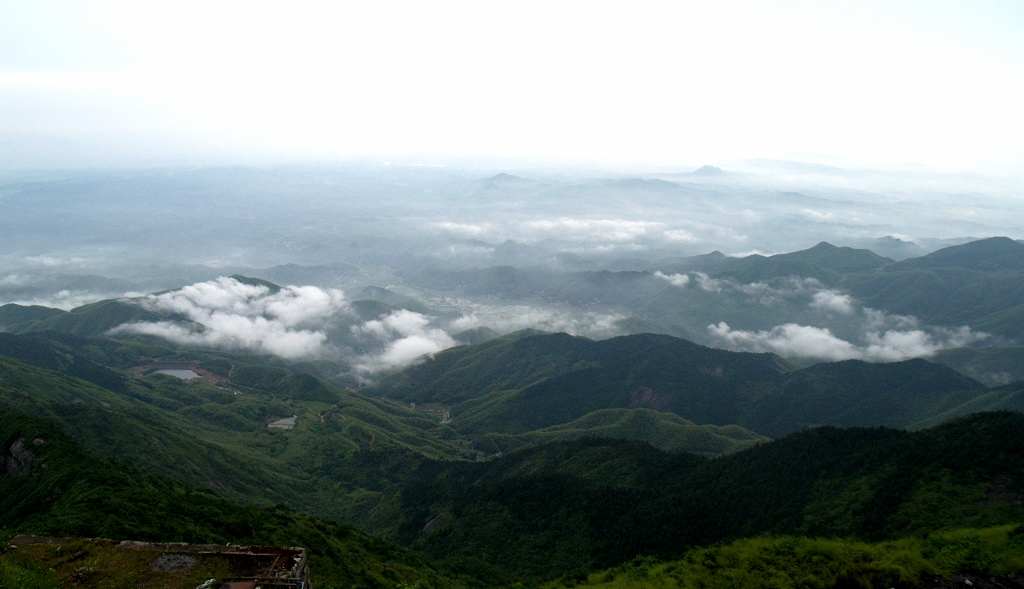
point(646, 397)
point(18, 458)
point(173, 563)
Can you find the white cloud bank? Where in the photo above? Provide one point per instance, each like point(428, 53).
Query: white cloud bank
point(680, 280)
point(614, 230)
point(506, 319)
point(406, 335)
point(226, 313)
point(882, 338)
point(832, 301)
point(294, 323)
point(819, 343)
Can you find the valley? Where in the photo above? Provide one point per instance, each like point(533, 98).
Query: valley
point(533, 295)
point(664, 419)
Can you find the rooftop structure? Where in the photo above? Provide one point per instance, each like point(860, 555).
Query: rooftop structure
point(89, 562)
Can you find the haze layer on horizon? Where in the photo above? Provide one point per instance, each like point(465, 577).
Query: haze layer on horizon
point(110, 83)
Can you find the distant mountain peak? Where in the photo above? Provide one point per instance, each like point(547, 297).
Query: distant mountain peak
point(834, 258)
point(892, 239)
point(823, 246)
point(993, 253)
point(503, 176)
point(708, 171)
point(256, 282)
point(650, 184)
point(502, 179)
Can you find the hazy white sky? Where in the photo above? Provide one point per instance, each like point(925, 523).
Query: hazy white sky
point(888, 82)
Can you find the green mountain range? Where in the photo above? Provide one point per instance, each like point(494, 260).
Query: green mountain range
point(526, 382)
point(538, 457)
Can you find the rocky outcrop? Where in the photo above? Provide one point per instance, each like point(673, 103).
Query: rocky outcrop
point(18, 459)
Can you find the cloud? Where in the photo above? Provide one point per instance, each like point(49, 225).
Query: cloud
point(53, 261)
point(515, 317)
point(680, 280)
point(819, 343)
point(293, 323)
point(405, 336)
point(817, 215)
point(63, 299)
point(466, 229)
point(226, 313)
point(680, 235)
point(777, 291)
point(593, 229)
point(790, 340)
point(832, 301)
point(707, 283)
point(878, 336)
point(255, 334)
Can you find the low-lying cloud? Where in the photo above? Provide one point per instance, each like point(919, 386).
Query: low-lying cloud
point(679, 280)
point(304, 322)
point(226, 313)
point(832, 301)
point(502, 319)
point(593, 229)
point(404, 336)
point(466, 229)
point(66, 299)
point(875, 345)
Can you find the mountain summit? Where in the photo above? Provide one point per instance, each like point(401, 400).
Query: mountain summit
point(986, 255)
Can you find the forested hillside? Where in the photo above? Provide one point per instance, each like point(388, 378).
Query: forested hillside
point(527, 457)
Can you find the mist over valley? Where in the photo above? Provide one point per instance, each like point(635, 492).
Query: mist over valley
point(727, 258)
point(449, 295)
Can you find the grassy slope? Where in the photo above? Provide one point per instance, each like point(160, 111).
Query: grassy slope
point(768, 562)
point(546, 510)
point(666, 431)
point(201, 433)
point(69, 491)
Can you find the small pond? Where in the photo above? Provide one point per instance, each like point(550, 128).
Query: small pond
point(183, 374)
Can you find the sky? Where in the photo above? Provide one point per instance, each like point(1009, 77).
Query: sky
point(889, 83)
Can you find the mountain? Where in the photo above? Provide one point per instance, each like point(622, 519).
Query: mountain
point(949, 288)
point(662, 430)
point(92, 320)
point(1009, 397)
point(270, 286)
point(503, 180)
point(395, 300)
point(824, 262)
point(514, 385)
point(60, 352)
point(53, 486)
point(644, 185)
point(216, 431)
point(12, 314)
point(855, 393)
point(994, 366)
point(709, 171)
point(567, 478)
point(597, 503)
point(995, 254)
point(893, 247)
point(840, 259)
point(980, 284)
